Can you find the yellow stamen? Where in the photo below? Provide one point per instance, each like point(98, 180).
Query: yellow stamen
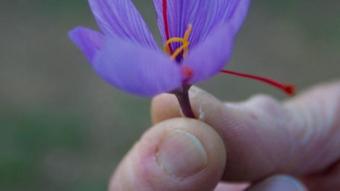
point(186, 39)
point(170, 41)
point(179, 50)
point(185, 44)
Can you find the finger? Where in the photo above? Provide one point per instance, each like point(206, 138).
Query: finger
point(166, 106)
point(275, 183)
point(178, 154)
point(327, 180)
point(315, 118)
point(163, 107)
point(231, 187)
point(278, 183)
point(265, 137)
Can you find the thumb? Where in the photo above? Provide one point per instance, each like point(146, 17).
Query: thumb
point(178, 154)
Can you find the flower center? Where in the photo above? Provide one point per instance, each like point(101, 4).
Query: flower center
point(183, 49)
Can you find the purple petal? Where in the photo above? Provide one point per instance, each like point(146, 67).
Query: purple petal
point(87, 40)
point(210, 56)
point(239, 14)
point(225, 11)
point(136, 69)
point(121, 18)
point(203, 15)
point(180, 14)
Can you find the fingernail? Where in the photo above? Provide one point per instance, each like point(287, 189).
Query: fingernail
point(181, 154)
point(279, 183)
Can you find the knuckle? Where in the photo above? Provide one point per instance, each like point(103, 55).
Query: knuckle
point(265, 103)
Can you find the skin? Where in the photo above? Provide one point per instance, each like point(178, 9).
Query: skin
point(265, 144)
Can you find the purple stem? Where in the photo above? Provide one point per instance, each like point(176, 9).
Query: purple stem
point(184, 102)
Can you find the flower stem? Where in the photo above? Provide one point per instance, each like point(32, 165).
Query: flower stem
point(184, 101)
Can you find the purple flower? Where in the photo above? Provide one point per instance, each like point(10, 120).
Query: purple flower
point(198, 37)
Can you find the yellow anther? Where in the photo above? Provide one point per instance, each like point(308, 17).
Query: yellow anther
point(179, 50)
point(185, 44)
point(170, 41)
point(186, 40)
point(188, 32)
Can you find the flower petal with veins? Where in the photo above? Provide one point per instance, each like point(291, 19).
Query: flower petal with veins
point(203, 15)
point(136, 69)
point(87, 40)
point(211, 55)
point(121, 18)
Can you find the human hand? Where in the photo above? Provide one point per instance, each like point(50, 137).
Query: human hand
point(252, 142)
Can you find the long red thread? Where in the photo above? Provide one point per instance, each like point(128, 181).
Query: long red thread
point(288, 89)
point(166, 22)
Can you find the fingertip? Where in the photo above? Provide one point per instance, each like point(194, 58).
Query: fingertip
point(177, 154)
point(166, 106)
point(279, 183)
point(163, 107)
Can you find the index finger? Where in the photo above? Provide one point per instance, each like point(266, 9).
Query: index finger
point(264, 137)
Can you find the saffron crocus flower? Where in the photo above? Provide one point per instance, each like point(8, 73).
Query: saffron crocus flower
point(198, 37)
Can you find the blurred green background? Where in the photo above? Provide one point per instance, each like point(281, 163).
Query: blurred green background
point(62, 128)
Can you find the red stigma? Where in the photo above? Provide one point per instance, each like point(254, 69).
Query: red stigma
point(288, 89)
point(166, 22)
point(187, 72)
